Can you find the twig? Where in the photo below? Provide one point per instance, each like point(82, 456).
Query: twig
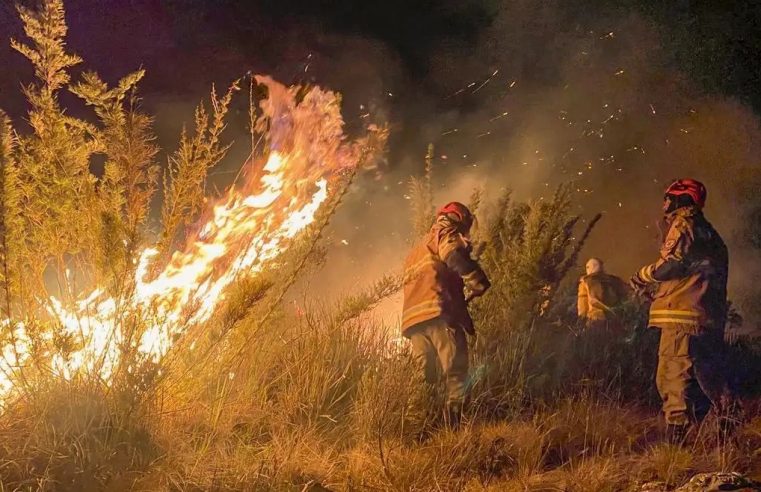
point(302, 263)
point(382, 456)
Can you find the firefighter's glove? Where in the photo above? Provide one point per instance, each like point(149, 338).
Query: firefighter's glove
point(458, 260)
point(637, 284)
point(476, 283)
point(642, 289)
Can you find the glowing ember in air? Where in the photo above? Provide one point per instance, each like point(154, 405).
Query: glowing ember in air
point(243, 232)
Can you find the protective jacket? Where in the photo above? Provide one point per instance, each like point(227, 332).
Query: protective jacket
point(436, 272)
point(599, 294)
point(690, 276)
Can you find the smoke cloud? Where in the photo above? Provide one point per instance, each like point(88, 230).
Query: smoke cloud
point(534, 95)
point(543, 99)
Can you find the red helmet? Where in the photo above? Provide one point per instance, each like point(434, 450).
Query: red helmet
point(695, 189)
point(459, 212)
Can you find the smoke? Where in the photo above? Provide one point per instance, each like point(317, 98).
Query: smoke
point(526, 96)
point(545, 97)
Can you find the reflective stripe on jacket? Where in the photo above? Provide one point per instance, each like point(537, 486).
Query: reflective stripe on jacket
point(691, 275)
point(431, 288)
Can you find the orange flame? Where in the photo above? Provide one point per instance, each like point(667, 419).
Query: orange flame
point(244, 232)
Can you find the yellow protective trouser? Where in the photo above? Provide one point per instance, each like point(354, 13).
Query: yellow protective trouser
point(441, 350)
point(691, 375)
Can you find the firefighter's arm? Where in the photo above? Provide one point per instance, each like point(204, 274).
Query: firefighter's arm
point(582, 303)
point(454, 250)
point(672, 262)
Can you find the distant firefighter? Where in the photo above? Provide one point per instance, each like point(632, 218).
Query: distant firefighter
point(599, 295)
point(440, 279)
point(689, 305)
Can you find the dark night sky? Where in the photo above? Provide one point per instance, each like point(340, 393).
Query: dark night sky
point(188, 44)
point(402, 59)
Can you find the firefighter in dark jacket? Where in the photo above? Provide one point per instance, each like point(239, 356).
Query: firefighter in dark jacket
point(440, 278)
point(599, 295)
point(688, 289)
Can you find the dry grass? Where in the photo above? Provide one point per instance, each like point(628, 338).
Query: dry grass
point(296, 432)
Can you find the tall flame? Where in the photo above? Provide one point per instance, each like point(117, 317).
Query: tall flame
point(253, 224)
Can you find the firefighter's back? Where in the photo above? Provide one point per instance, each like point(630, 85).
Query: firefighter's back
point(421, 298)
point(605, 293)
point(695, 300)
point(431, 288)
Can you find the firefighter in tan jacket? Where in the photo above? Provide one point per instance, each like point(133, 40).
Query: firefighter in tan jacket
point(599, 296)
point(438, 272)
point(688, 285)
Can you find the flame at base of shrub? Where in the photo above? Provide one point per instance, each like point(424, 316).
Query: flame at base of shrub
point(243, 233)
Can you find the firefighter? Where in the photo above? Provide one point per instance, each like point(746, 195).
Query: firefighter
point(688, 289)
point(440, 278)
point(599, 295)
